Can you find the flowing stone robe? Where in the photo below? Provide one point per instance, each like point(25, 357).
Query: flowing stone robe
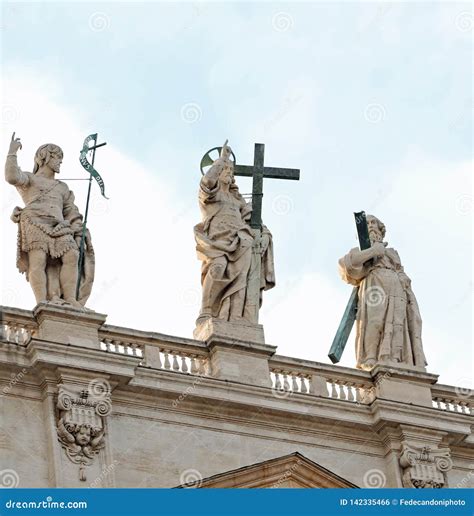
point(225, 237)
point(50, 221)
point(388, 323)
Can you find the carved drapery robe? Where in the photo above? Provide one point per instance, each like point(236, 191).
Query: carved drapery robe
point(224, 237)
point(388, 323)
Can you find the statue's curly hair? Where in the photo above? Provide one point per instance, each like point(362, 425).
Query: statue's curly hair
point(43, 155)
point(380, 224)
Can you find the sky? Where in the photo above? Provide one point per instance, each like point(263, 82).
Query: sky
point(371, 101)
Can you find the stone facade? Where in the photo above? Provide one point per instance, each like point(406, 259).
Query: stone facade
point(143, 409)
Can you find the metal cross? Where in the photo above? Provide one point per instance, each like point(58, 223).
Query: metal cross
point(258, 171)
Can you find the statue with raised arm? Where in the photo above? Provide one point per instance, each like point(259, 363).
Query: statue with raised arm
point(231, 256)
point(388, 319)
point(49, 229)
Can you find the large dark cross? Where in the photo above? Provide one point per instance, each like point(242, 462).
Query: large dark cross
point(258, 171)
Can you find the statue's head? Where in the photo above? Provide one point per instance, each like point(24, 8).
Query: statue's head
point(48, 154)
point(376, 229)
point(227, 174)
point(83, 435)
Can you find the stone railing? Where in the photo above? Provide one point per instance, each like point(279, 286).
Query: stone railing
point(304, 377)
point(17, 326)
point(156, 350)
point(452, 399)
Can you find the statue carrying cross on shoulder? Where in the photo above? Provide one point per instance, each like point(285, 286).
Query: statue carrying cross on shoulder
point(49, 229)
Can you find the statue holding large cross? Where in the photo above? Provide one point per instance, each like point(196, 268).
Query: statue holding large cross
point(382, 304)
point(231, 241)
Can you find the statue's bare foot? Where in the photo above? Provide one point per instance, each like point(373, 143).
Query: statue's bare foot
point(369, 364)
point(74, 304)
point(56, 300)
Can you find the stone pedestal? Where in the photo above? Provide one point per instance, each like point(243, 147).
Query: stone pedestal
point(238, 331)
point(66, 325)
point(238, 351)
point(403, 385)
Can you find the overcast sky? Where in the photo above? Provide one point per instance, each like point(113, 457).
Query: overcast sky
point(371, 101)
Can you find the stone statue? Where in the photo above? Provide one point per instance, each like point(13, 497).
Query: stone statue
point(234, 256)
point(49, 229)
point(388, 319)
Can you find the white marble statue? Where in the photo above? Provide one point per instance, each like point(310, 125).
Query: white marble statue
point(234, 256)
point(49, 229)
point(388, 319)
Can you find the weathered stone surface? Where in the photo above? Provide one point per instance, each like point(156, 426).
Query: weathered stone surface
point(49, 229)
point(237, 261)
point(180, 413)
point(388, 318)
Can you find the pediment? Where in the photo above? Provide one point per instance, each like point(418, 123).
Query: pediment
point(289, 471)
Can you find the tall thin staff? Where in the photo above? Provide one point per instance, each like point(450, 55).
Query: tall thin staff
point(92, 173)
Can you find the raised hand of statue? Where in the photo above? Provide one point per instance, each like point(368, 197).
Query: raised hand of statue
point(15, 144)
point(225, 151)
point(378, 249)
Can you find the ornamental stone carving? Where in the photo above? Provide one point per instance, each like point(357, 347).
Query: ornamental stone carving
point(81, 423)
point(425, 467)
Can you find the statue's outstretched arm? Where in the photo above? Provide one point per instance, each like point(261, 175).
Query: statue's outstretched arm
point(209, 180)
point(13, 173)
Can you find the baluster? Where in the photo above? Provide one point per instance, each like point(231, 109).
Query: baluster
point(278, 385)
point(358, 389)
point(9, 331)
point(167, 360)
point(342, 392)
point(184, 365)
point(201, 366)
point(286, 385)
point(294, 383)
point(333, 389)
point(350, 392)
point(304, 388)
point(175, 362)
point(194, 368)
